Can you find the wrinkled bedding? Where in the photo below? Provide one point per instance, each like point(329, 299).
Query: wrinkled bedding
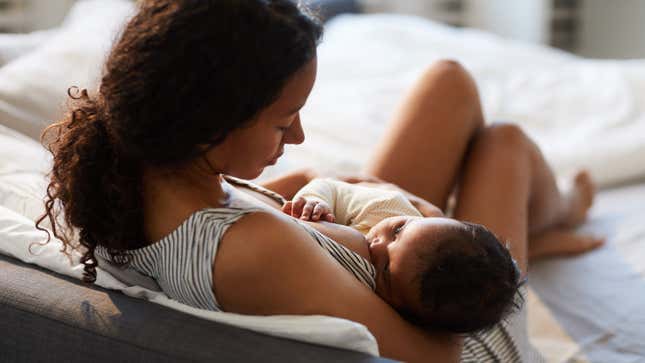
point(582, 113)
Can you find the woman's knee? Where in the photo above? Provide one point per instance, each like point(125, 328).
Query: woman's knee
point(454, 83)
point(503, 137)
point(450, 72)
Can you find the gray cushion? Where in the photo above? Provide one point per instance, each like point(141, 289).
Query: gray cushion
point(48, 317)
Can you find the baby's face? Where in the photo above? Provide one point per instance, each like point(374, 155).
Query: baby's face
point(394, 244)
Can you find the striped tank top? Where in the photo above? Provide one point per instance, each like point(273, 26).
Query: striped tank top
point(181, 262)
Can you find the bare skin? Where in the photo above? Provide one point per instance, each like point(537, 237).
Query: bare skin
point(304, 279)
point(425, 152)
point(445, 106)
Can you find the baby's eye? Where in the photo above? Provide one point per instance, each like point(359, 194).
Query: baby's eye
point(398, 228)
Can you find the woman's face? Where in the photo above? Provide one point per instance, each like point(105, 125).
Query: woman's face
point(247, 151)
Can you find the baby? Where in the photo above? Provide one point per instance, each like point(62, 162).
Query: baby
point(437, 272)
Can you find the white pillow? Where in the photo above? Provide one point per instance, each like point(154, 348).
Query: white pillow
point(33, 88)
point(23, 165)
point(13, 46)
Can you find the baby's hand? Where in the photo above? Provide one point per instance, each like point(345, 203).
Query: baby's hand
point(310, 209)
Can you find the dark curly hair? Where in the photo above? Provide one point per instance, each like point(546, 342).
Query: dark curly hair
point(181, 77)
point(467, 282)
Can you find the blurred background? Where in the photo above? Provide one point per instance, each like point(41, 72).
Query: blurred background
point(590, 28)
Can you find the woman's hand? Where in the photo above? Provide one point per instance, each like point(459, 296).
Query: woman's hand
point(309, 209)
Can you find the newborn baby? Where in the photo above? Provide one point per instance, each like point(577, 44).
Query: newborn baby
point(437, 272)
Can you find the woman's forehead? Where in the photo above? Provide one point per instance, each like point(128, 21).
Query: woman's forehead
point(296, 90)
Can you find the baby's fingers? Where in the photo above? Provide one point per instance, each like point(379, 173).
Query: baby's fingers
point(319, 210)
point(286, 208)
point(307, 210)
point(329, 218)
point(297, 206)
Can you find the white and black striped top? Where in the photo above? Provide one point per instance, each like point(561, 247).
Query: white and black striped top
point(181, 264)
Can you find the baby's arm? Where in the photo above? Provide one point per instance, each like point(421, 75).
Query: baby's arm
point(309, 209)
point(426, 208)
point(315, 201)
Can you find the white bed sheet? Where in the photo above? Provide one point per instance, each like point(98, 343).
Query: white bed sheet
point(583, 113)
point(597, 301)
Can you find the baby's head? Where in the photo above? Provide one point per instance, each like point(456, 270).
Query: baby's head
point(443, 274)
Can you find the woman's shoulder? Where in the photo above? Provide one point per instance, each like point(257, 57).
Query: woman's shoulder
point(260, 230)
point(257, 251)
point(268, 265)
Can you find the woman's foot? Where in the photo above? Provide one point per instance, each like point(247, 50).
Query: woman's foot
point(578, 198)
point(562, 242)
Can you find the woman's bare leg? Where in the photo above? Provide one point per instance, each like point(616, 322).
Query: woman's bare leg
point(507, 186)
point(551, 207)
point(424, 147)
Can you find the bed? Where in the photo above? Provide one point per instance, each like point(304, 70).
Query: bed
point(583, 113)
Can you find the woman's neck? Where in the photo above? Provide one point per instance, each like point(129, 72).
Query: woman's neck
point(169, 198)
point(185, 186)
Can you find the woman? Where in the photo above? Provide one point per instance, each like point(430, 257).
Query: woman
point(195, 90)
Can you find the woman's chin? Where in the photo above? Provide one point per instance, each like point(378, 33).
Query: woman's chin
point(248, 174)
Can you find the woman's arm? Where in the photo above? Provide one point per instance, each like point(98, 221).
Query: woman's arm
point(288, 184)
point(267, 264)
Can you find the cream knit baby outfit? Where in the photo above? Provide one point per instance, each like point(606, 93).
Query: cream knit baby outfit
point(357, 205)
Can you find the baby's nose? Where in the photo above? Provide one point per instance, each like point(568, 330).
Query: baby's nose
point(376, 247)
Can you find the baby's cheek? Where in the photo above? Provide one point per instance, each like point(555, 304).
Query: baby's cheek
point(381, 291)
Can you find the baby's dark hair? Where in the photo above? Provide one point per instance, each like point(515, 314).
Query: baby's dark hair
point(468, 282)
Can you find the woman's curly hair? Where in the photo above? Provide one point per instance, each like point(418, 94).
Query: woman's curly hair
point(181, 77)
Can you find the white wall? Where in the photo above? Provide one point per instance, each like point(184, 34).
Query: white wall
point(526, 20)
point(43, 14)
point(417, 7)
point(612, 29)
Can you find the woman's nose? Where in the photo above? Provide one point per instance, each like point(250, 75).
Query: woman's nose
point(295, 134)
